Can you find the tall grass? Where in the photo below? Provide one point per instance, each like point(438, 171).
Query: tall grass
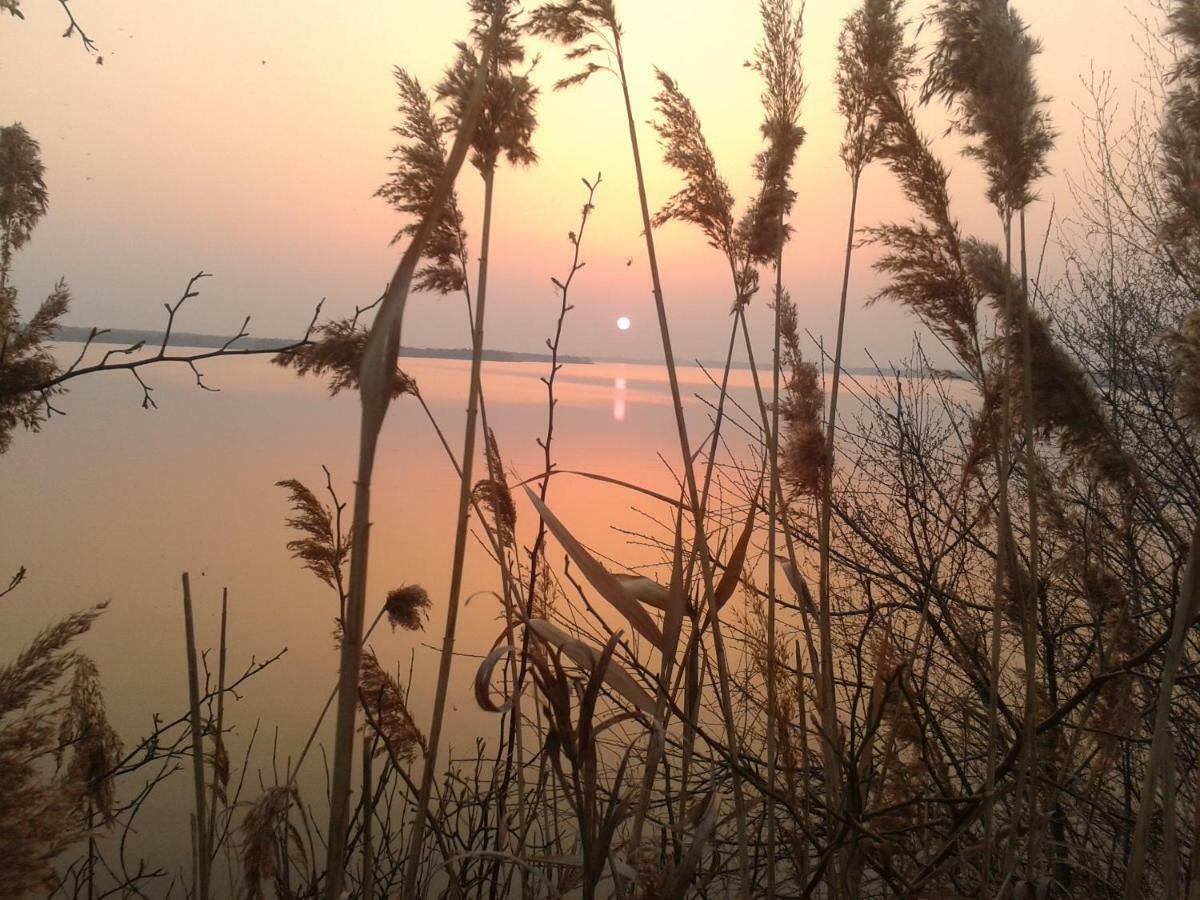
point(704, 731)
point(376, 386)
point(505, 130)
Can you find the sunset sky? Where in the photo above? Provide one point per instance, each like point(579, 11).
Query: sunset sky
point(247, 139)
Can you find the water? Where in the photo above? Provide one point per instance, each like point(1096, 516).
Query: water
point(112, 502)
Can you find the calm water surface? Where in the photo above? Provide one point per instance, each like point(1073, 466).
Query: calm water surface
point(113, 502)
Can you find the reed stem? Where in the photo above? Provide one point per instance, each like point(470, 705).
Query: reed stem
point(203, 858)
point(690, 478)
point(417, 837)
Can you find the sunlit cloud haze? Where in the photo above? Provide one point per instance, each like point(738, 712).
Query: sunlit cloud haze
point(247, 139)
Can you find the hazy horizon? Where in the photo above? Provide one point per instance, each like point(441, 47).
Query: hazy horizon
point(256, 151)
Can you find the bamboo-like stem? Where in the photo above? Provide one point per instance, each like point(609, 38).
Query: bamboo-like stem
point(772, 512)
point(91, 856)
point(1029, 622)
point(690, 479)
point(368, 849)
point(460, 548)
point(219, 732)
point(829, 723)
point(1185, 613)
point(203, 859)
point(378, 374)
point(691, 672)
point(1004, 548)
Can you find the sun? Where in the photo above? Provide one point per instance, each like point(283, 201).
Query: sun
point(623, 323)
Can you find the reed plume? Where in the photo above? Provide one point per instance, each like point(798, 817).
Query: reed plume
point(420, 159)
point(23, 195)
point(408, 607)
point(803, 457)
point(324, 547)
point(266, 836)
point(387, 711)
point(704, 200)
point(94, 744)
point(336, 351)
point(873, 58)
point(493, 493)
point(777, 60)
point(26, 362)
point(1065, 402)
point(982, 64)
point(39, 810)
point(923, 260)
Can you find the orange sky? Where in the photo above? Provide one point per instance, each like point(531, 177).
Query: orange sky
point(247, 139)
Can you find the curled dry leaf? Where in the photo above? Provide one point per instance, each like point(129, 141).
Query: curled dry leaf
point(483, 679)
point(600, 578)
point(588, 657)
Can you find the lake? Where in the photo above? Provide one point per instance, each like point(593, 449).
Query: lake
point(112, 502)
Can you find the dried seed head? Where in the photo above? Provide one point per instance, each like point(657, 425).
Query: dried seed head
point(94, 745)
point(803, 457)
point(386, 710)
point(1064, 401)
point(420, 161)
point(705, 199)
point(983, 62)
point(321, 549)
point(588, 27)
point(494, 495)
point(408, 607)
point(873, 58)
point(39, 811)
point(508, 117)
point(338, 351)
point(763, 229)
point(266, 834)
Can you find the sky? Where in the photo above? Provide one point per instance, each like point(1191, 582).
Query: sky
point(247, 140)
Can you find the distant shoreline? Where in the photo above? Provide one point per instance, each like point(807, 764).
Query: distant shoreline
point(130, 336)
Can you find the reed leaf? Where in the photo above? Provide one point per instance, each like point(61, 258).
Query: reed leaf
point(732, 575)
point(599, 577)
point(588, 657)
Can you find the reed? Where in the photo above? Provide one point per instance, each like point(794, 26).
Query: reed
point(983, 63)
point(505, 130)
point(1040, 505)
point(377, 384)
point(1179, 137)
point(595, 21)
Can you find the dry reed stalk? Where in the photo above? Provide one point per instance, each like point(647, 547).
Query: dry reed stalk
point(1179, 140)
point(200, 822)
point(1185, 614)
point(778, 62)
point(376, 386)
point(570, 23)
point(368, 841)
point(983, 61)
point(690, 479)
point(510, 122)
point(872, 57)
point(220, 758)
